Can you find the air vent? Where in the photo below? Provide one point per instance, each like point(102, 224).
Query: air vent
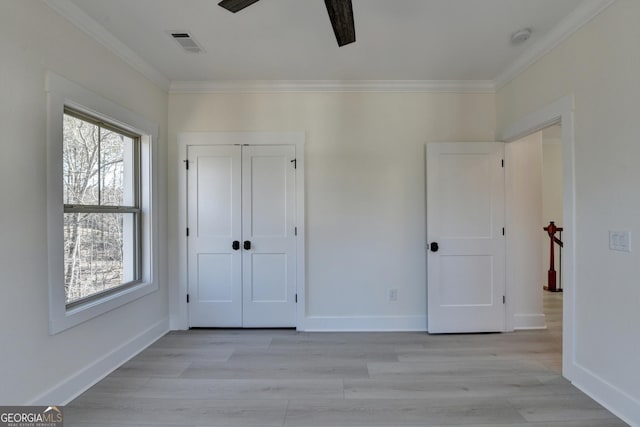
point(187, 42)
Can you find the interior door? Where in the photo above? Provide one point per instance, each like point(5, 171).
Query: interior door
point(241, 241)
point(465, 241)
point(214, 221)
point(268, 209)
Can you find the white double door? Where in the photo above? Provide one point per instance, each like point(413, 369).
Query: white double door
point(465, 237)
point(241, 236)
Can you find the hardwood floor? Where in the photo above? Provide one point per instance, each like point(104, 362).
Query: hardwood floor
point(284, 378)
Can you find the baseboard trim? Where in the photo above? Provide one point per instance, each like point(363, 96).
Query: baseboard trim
point(365, 324)
point(78, 383)
point(529, 321)
point(621, 404)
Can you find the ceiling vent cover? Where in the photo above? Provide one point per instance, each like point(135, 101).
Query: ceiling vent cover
point(187, 42)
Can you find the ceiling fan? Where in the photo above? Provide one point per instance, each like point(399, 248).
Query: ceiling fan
point(340, 14)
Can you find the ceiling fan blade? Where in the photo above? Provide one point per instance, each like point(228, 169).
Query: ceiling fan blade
point(341, 15)
point(236, 5)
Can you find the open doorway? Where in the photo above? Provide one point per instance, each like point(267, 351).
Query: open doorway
point(534, 194)
point(558, 112)
point(552, 212)
point(552, 205)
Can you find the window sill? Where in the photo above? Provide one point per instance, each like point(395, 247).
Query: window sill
point(63, 319)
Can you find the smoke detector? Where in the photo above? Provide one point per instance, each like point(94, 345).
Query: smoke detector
point(521, 36)
point(188, 43)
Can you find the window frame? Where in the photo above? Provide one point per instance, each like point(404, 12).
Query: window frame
point(105, 209)
point(64, 95)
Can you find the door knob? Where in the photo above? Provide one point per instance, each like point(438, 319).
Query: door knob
point(235, 245)
point(247, 245)
point(434, 246)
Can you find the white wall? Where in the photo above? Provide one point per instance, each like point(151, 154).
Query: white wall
point(36, 366)
point(524, 230)
point(365, 189)
point(599, 65)
point(552, 183)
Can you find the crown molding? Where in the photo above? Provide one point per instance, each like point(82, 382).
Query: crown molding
point(565, 28)
point(276, 86)
point(92, 28)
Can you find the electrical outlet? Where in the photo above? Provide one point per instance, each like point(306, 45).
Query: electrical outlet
point(393, 295)
point(620, 241)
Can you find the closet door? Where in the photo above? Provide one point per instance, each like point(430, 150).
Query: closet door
point(268, 233)
point(241, 244)
point(214, 221)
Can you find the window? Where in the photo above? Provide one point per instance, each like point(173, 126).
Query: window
point(101, 207)
point(101, 227)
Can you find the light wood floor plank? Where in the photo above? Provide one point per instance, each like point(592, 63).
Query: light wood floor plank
point(162, 412)
point(471, 368)
point(582, 423)
point(452, 388)
point(139, 367)
point(383, 412)
point(84, 424)
point(295, 369)
point(320, 353)
point(215, 389)
point(559, 408)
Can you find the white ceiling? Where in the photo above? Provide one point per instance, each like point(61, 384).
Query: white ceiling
point(293, 39)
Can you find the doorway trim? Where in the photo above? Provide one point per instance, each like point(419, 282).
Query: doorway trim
point(186, 139)
point(560, 111)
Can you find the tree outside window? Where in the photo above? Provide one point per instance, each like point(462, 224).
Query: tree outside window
point(101, 207)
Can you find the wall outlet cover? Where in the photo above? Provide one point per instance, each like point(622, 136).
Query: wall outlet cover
point(620, 240)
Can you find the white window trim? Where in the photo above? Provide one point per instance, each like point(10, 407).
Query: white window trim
point(60, 93)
